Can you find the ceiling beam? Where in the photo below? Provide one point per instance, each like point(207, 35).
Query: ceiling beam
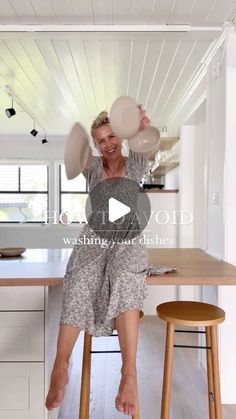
point(108, 28)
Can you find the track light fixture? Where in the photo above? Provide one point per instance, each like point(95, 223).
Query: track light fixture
point(34, 132)
point(44, 140)
point(10, 111)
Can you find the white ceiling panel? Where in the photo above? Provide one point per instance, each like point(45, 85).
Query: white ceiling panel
point(102, 12)
point(123, 63)
point(138, 55)
point(142, 11)
point(48, 52)
point(78, 51)
point(161, 11)
point(122, 11)
point(83, 12)
point(60, 77)
point(152, 59)
point(108, 61)
point(7, 13)
point(63, 11)
point(25, 11)
point(44, 11)
point(221, 11)
point(16, 75)
point(95, 70)
point(201, 10)
point(73, 79)
point(182, 53)
point(187, 108)
point(55, 99)
point(164, 66)
point(70, 76)
point(181, 80)
point(181, 11)
point(193, 12)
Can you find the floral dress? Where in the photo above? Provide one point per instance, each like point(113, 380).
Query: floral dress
point(102, 281)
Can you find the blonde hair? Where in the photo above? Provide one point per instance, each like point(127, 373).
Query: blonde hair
point(101, 119)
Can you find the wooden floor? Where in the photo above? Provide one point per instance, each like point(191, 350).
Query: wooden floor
point(189, 391)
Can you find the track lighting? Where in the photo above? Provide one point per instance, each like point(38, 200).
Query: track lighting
point(34, 132)
point(10, 111)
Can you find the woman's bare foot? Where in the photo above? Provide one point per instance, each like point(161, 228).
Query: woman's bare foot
point(59, 379)
point(127, 393)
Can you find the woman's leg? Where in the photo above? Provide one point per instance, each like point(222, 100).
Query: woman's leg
point(127, 326)
point(59, 378)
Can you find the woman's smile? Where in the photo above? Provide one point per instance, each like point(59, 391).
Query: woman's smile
point(111, 150)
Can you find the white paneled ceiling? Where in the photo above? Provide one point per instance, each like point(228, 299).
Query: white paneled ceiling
point(60, 77)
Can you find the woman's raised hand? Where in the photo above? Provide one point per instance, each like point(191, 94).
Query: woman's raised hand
point(144, 120)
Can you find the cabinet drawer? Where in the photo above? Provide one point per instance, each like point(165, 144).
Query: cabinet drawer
point(21, 391)
point(22, 298)
point(22, 336)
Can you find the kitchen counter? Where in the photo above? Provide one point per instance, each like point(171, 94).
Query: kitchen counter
point(47, 267)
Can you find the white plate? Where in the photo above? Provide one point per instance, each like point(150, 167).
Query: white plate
point(146, 142)
point(77, 151)
point(124, 117)
point(12, 251)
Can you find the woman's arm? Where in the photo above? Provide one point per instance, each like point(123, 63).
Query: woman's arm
point(78, 154)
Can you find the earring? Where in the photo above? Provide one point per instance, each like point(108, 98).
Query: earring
point(124, 148)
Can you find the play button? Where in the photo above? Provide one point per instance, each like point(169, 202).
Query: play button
point(116, 209)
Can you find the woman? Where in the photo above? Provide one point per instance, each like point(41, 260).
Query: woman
point(104, 287)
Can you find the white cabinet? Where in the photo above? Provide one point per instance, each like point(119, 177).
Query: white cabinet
point(22, 390)
point(22, 336)
point(22, 298)
point(22, 363)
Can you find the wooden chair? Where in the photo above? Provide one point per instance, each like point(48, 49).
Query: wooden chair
point(192, 313)
point(86, 376)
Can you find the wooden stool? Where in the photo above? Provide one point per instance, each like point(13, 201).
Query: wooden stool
point(192, 313)
point(86, 375)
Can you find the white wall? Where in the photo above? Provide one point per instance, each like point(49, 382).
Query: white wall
point(199, 198)
point(171, 180)
point(227, 295)
point(186, 181)
point(216, 141)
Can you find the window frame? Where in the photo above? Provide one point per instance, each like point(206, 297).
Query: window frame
point(13, 162)
point(67, 192)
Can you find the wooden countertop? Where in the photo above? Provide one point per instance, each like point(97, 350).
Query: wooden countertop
point(47, 267)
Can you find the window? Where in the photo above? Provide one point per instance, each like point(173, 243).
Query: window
point(23, 193)
point(73, 196)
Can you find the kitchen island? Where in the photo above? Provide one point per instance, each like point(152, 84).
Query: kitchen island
point(30, 301)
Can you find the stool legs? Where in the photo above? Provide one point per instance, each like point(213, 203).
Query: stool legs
point(215, 408)
point(168, 367)
point(211, 395)
point(85, 380)
point(216, 374)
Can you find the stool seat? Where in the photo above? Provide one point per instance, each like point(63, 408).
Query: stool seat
point(190, 313)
